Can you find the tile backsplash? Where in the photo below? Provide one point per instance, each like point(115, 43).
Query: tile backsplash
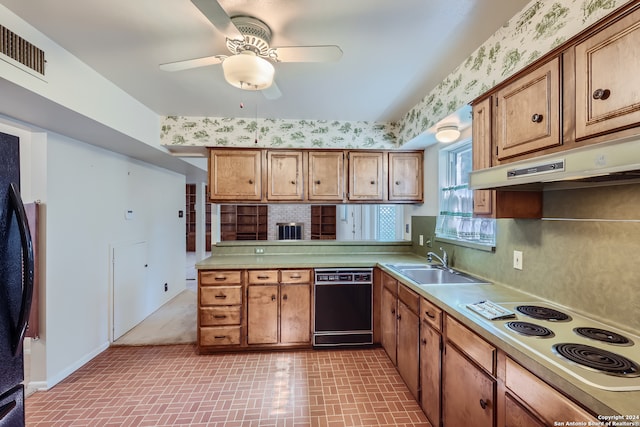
point(583, 254)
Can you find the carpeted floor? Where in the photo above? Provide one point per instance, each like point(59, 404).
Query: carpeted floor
point(173, 323)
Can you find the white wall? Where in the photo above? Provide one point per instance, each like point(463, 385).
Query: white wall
point(88, 190)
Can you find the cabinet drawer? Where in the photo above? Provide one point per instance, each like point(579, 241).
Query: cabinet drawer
point(263, 276)
point(540, 397)
point(468, 342)
point(295, 276)
point(220, 316)
point(229, 335)
point(431, 314)
point(220, 277)
point(221, 295)
point(409, 298)
point(390, 283)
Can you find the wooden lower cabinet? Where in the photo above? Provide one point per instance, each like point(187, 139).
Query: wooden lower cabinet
point(262, 314)
point(529, 401)
point(468, 392)
point(430, 360)
point(279, 311)
point(408, 350)
point(220, 303)
point(388, 315)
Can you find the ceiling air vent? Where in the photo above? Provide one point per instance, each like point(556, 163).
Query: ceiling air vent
point(18, 49)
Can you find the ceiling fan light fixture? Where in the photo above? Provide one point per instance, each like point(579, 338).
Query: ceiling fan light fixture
point(248, 71)
point(447, 133)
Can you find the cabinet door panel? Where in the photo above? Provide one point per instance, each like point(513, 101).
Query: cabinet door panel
point(235, 175)
point(468, 393)
point(262, 314)
point(608, 61)
point(295, 313)
point(284, 175)
point(482, 154)
point(430, 341)
point(528, 112)
point(388, 323)
point(365, 176)
point(405, 176)
point(326, 175)
point(515, 415)
point(408, 354)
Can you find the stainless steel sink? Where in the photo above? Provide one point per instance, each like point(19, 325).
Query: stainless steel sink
point(430, 274)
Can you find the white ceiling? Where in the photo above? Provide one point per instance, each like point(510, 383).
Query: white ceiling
point(395, 52)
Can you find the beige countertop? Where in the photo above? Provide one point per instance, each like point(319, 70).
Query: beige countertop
point(452, 299)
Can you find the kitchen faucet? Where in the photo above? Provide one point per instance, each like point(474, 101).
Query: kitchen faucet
point(444, 260)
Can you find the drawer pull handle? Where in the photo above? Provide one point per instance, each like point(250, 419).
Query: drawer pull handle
point(296, 276)
point(220, 316)
point(220, 278)
point(221, 296)
point(220, 337)
point(263, 277)
point(536, 118)
point(601, 94)
point(483, 404)
point(429, 315)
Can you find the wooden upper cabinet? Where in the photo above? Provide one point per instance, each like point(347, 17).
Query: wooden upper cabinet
point(405, 176)
point(607, 84)
point(235, 175)
point(326, 175)
point(482, 152)
point(284, 175)
point(366, 171)
point(528, 112)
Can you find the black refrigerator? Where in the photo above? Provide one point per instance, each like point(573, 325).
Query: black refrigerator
point(16, 283)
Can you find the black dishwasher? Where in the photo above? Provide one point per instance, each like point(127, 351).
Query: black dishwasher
point(343, 314)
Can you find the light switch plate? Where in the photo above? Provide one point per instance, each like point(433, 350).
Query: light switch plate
point(517, 260)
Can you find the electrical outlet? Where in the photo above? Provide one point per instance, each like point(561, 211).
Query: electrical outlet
point(421, 240)
point(259, 250)
point(517, 260)
point(166, 287)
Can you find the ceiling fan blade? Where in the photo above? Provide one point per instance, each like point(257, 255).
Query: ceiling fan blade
point(212, 10)
point(272, 92)
point(192, 63)
point(328, 53)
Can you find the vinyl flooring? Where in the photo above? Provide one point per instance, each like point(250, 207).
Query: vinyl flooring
point(172, 385)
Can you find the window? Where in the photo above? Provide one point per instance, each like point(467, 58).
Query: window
point(456, 220)
point(389, 222)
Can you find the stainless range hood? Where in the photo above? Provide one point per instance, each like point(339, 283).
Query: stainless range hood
point(609, 162)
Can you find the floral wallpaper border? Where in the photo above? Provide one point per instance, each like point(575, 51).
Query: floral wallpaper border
point(537, 29)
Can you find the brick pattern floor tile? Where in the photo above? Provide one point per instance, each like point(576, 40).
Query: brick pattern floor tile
point(174, 386)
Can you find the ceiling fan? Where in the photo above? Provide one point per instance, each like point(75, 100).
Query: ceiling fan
point(248, 39)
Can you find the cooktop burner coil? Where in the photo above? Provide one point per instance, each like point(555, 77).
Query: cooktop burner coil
point(543, 313)
point(530, 329)
point(603, 335)
point(597, 359)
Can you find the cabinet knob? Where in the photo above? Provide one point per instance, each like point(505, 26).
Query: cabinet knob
point(399, 317)
point(536, 118)
point(483, 404)
point(373, 182)
point(293, 182)
point(273, 297)
point(601, 93)
point(393, 311)
point(284, 297)
point(424, 341)
point(318, 182)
